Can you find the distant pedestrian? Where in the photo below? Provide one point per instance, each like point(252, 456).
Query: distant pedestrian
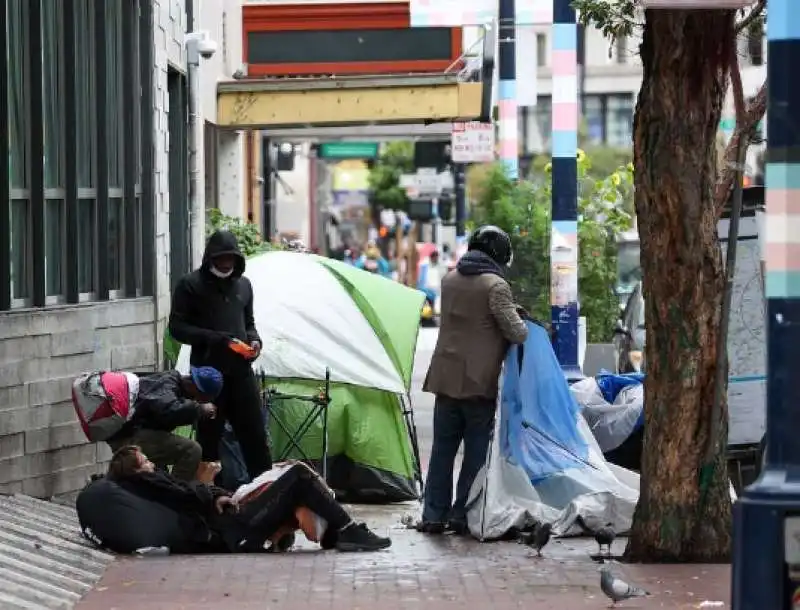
point(478, 323)
point(212, 310)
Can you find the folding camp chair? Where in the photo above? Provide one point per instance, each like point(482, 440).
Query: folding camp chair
point(318, 412)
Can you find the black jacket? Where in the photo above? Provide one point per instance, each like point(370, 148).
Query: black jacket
point(207, 312)
point(160, 405)
point(193, 501)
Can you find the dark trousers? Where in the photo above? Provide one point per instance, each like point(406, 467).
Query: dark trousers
point(259, 519)
point(240, 404)
point(455, 421)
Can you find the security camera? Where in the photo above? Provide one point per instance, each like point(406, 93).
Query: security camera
point(199, 44)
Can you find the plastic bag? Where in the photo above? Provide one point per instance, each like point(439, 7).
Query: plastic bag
point(611, 424)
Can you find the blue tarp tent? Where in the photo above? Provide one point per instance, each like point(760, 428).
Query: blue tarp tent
point(543, 463)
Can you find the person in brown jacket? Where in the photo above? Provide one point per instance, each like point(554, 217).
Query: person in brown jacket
point(479, 321)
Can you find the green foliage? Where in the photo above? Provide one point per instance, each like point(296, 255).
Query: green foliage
point(523, 209)
point(614, 18)
point(247, 234)
point(396, 158)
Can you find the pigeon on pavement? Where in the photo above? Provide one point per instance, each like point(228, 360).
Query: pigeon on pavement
point(539, 537)
point(618, 590)
point(605, 537)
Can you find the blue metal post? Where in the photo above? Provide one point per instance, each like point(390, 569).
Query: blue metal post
point(766, 560)
point(507, 94)
point(564, 236)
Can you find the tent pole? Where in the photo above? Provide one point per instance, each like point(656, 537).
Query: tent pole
point(411, 424)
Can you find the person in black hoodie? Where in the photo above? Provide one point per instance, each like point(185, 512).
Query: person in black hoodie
point(212, 307)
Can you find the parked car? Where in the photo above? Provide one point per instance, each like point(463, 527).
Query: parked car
point(629, 334)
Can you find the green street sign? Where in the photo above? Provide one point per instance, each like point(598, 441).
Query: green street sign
point(349, 150)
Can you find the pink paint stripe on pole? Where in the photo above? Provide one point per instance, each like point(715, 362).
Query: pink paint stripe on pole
point(783, 201)
point(507, 149)
point(507, 108)
point(783, 257)
point(565, 117)
point(565, 63)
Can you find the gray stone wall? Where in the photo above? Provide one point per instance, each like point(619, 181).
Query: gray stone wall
point(43, 451)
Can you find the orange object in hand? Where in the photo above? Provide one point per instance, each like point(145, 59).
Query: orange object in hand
point(241, 348)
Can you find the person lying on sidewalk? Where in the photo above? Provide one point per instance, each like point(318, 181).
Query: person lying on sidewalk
point(213, 521)
point(167, 401)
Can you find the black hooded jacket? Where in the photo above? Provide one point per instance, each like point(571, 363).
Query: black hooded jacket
point(207, 311)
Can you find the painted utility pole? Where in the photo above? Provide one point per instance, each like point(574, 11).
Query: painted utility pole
point(507, 85)
point(564, 146)
point(766, 562)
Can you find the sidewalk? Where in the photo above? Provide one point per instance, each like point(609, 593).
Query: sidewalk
point(417, 572)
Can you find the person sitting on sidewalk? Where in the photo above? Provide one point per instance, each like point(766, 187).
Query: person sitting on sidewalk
point(214, 522)
point(167, 401)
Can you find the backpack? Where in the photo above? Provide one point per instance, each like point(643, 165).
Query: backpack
point(104, 402)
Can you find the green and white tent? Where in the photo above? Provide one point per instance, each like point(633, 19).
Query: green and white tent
point(313, 314)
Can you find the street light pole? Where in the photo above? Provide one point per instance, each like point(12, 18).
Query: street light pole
point(766, 561)
point(564, 145)
point(507, 85)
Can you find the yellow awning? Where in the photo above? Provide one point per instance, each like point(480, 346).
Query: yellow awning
point(350, 100)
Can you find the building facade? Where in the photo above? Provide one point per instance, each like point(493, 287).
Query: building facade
point(611, 78)
point(97, 139)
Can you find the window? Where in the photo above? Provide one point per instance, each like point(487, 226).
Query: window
point(755, 46)
point(544, 121)
point(621, 51)
point(80, 100)
point(18, 63)
point(619, 120)
point(115, 138)
point(593, 114)
point(86, 145)
point(211, 145)
point(20, 249)
point(54, 158)
point(541, 50)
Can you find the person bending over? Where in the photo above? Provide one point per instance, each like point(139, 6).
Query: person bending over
point(167, 401)
point(213, 522)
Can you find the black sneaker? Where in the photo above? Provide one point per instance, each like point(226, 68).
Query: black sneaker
point(431, 527)
point(357, 537)
point(459, 528)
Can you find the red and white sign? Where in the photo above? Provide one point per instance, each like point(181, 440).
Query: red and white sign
point(472, 142)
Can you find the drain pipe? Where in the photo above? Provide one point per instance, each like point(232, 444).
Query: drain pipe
point(198, 44)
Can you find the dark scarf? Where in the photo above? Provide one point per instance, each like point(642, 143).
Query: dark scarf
point(476, 262)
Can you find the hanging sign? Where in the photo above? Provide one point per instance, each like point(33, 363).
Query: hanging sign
point(472, 142)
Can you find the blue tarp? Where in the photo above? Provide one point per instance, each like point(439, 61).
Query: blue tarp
point(611, 385)
point(538, 413)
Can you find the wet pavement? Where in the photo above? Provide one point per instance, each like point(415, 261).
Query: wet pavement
point(418, 571)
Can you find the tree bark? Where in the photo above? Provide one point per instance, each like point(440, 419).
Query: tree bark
point(684, 509)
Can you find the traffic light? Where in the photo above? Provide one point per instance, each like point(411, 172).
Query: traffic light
point(420, 210)
point(432, 155)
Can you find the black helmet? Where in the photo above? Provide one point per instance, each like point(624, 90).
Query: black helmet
point(492, 241)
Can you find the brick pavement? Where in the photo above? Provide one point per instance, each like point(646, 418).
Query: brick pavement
point(417, 572)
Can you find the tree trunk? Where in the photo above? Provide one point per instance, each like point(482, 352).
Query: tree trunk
point(684, 510)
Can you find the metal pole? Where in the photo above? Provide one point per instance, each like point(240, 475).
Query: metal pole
point(766, 553)
point(507, 94)
point(461, 199)
point(196, 204)
point(564, 142)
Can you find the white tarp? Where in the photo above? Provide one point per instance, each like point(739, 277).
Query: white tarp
point(543, 463)
point(503, 496)
point(308, 322)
